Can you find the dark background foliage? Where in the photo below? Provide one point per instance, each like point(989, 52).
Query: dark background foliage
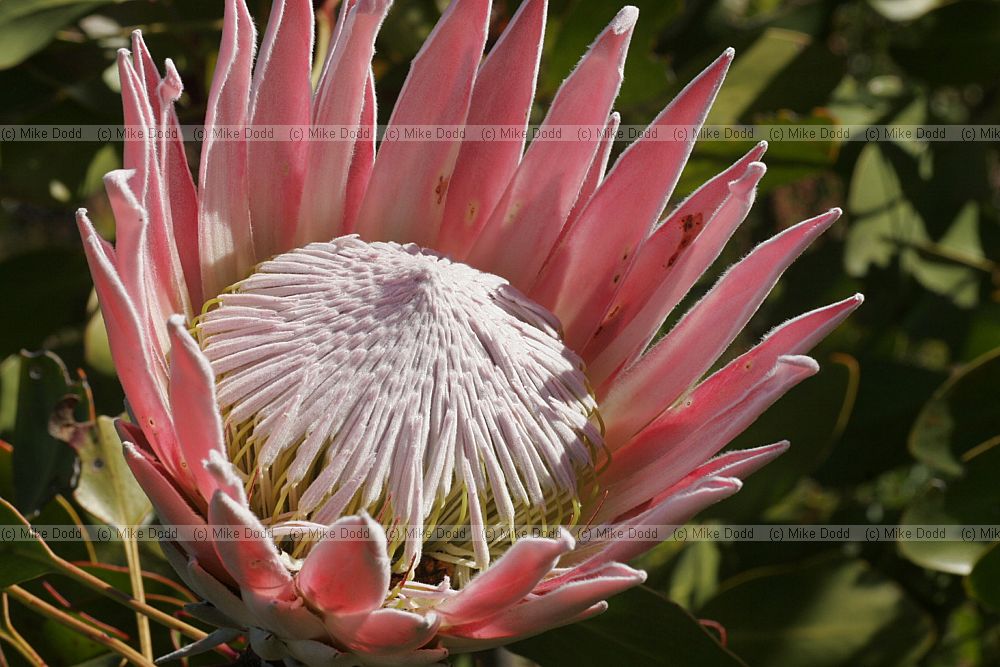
point(900, 427)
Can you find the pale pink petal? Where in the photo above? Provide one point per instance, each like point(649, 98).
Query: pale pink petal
point(595, 176)
point(384, 631)
point(731, 383)
point(284, 614)
point(674, 510)
point(192, 398)
point(507, 581)
point(225, 476)
point(332, 175)
point(139, 146)
point(217, 593)
point(405, 197)
point(469, 645)
point(132, 351)
point(530, 216)
point(251, 558)
point(170, 505)
point(669, 263)
point(280, 94)
point(502, 96)
point(347, 572)
point(131, 256)
point(586, 268)
point(164, 276)
point(556, 607)
point(224, 233)
point(143, 63)
point(644, 390)
point(697, 433)
point(179, 192)
point(338, 30)
point(739, 464)
point(363, 160)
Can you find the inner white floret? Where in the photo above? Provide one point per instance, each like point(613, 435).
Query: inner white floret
point(387, 378)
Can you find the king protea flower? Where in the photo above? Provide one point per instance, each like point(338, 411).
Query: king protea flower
point(435, 334)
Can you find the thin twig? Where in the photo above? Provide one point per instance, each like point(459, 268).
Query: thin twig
point(90, 632)
point(109, 591)
point(139, 593)
point(14, 638)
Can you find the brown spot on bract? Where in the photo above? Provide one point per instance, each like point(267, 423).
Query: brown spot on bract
point(617, 277)
point(441, 188)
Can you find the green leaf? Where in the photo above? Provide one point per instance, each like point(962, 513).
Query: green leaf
point(43, 464)
point(27, 27)
point(984, 580)
point(959, 416)
point(882, 217)
point(972, 499)
point(24, 558)
point(831, 612)
point(572, 30)
point(107, 489)
point(641, 627)
point(754, 70)
point(696, 575)
point(821, 404)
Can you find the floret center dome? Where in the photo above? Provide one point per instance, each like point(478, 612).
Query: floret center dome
point(386, 378)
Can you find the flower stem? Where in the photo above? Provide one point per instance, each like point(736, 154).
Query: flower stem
point(109, 591)
point(139, 594)
point(90, 632)
point(14, 638)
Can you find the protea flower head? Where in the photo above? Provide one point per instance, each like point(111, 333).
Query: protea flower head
point(439, 333)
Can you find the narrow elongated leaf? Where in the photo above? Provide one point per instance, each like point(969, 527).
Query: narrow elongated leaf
point(961, 415)
point(23, 556)
point(44, 465)
point(829, 613)
point(640, 627)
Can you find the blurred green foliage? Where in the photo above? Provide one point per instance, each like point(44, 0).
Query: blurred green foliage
point(903, 423)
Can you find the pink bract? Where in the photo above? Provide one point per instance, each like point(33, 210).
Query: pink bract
point(573, 270)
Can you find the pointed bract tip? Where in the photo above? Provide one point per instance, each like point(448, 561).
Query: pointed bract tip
point(767, 453)
point(749, 179)
point(800, 361)
point(859, 298)
point(625, 19)
point(762, 145)
point(726, 485)
point(822, 221)
point(729, 53)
